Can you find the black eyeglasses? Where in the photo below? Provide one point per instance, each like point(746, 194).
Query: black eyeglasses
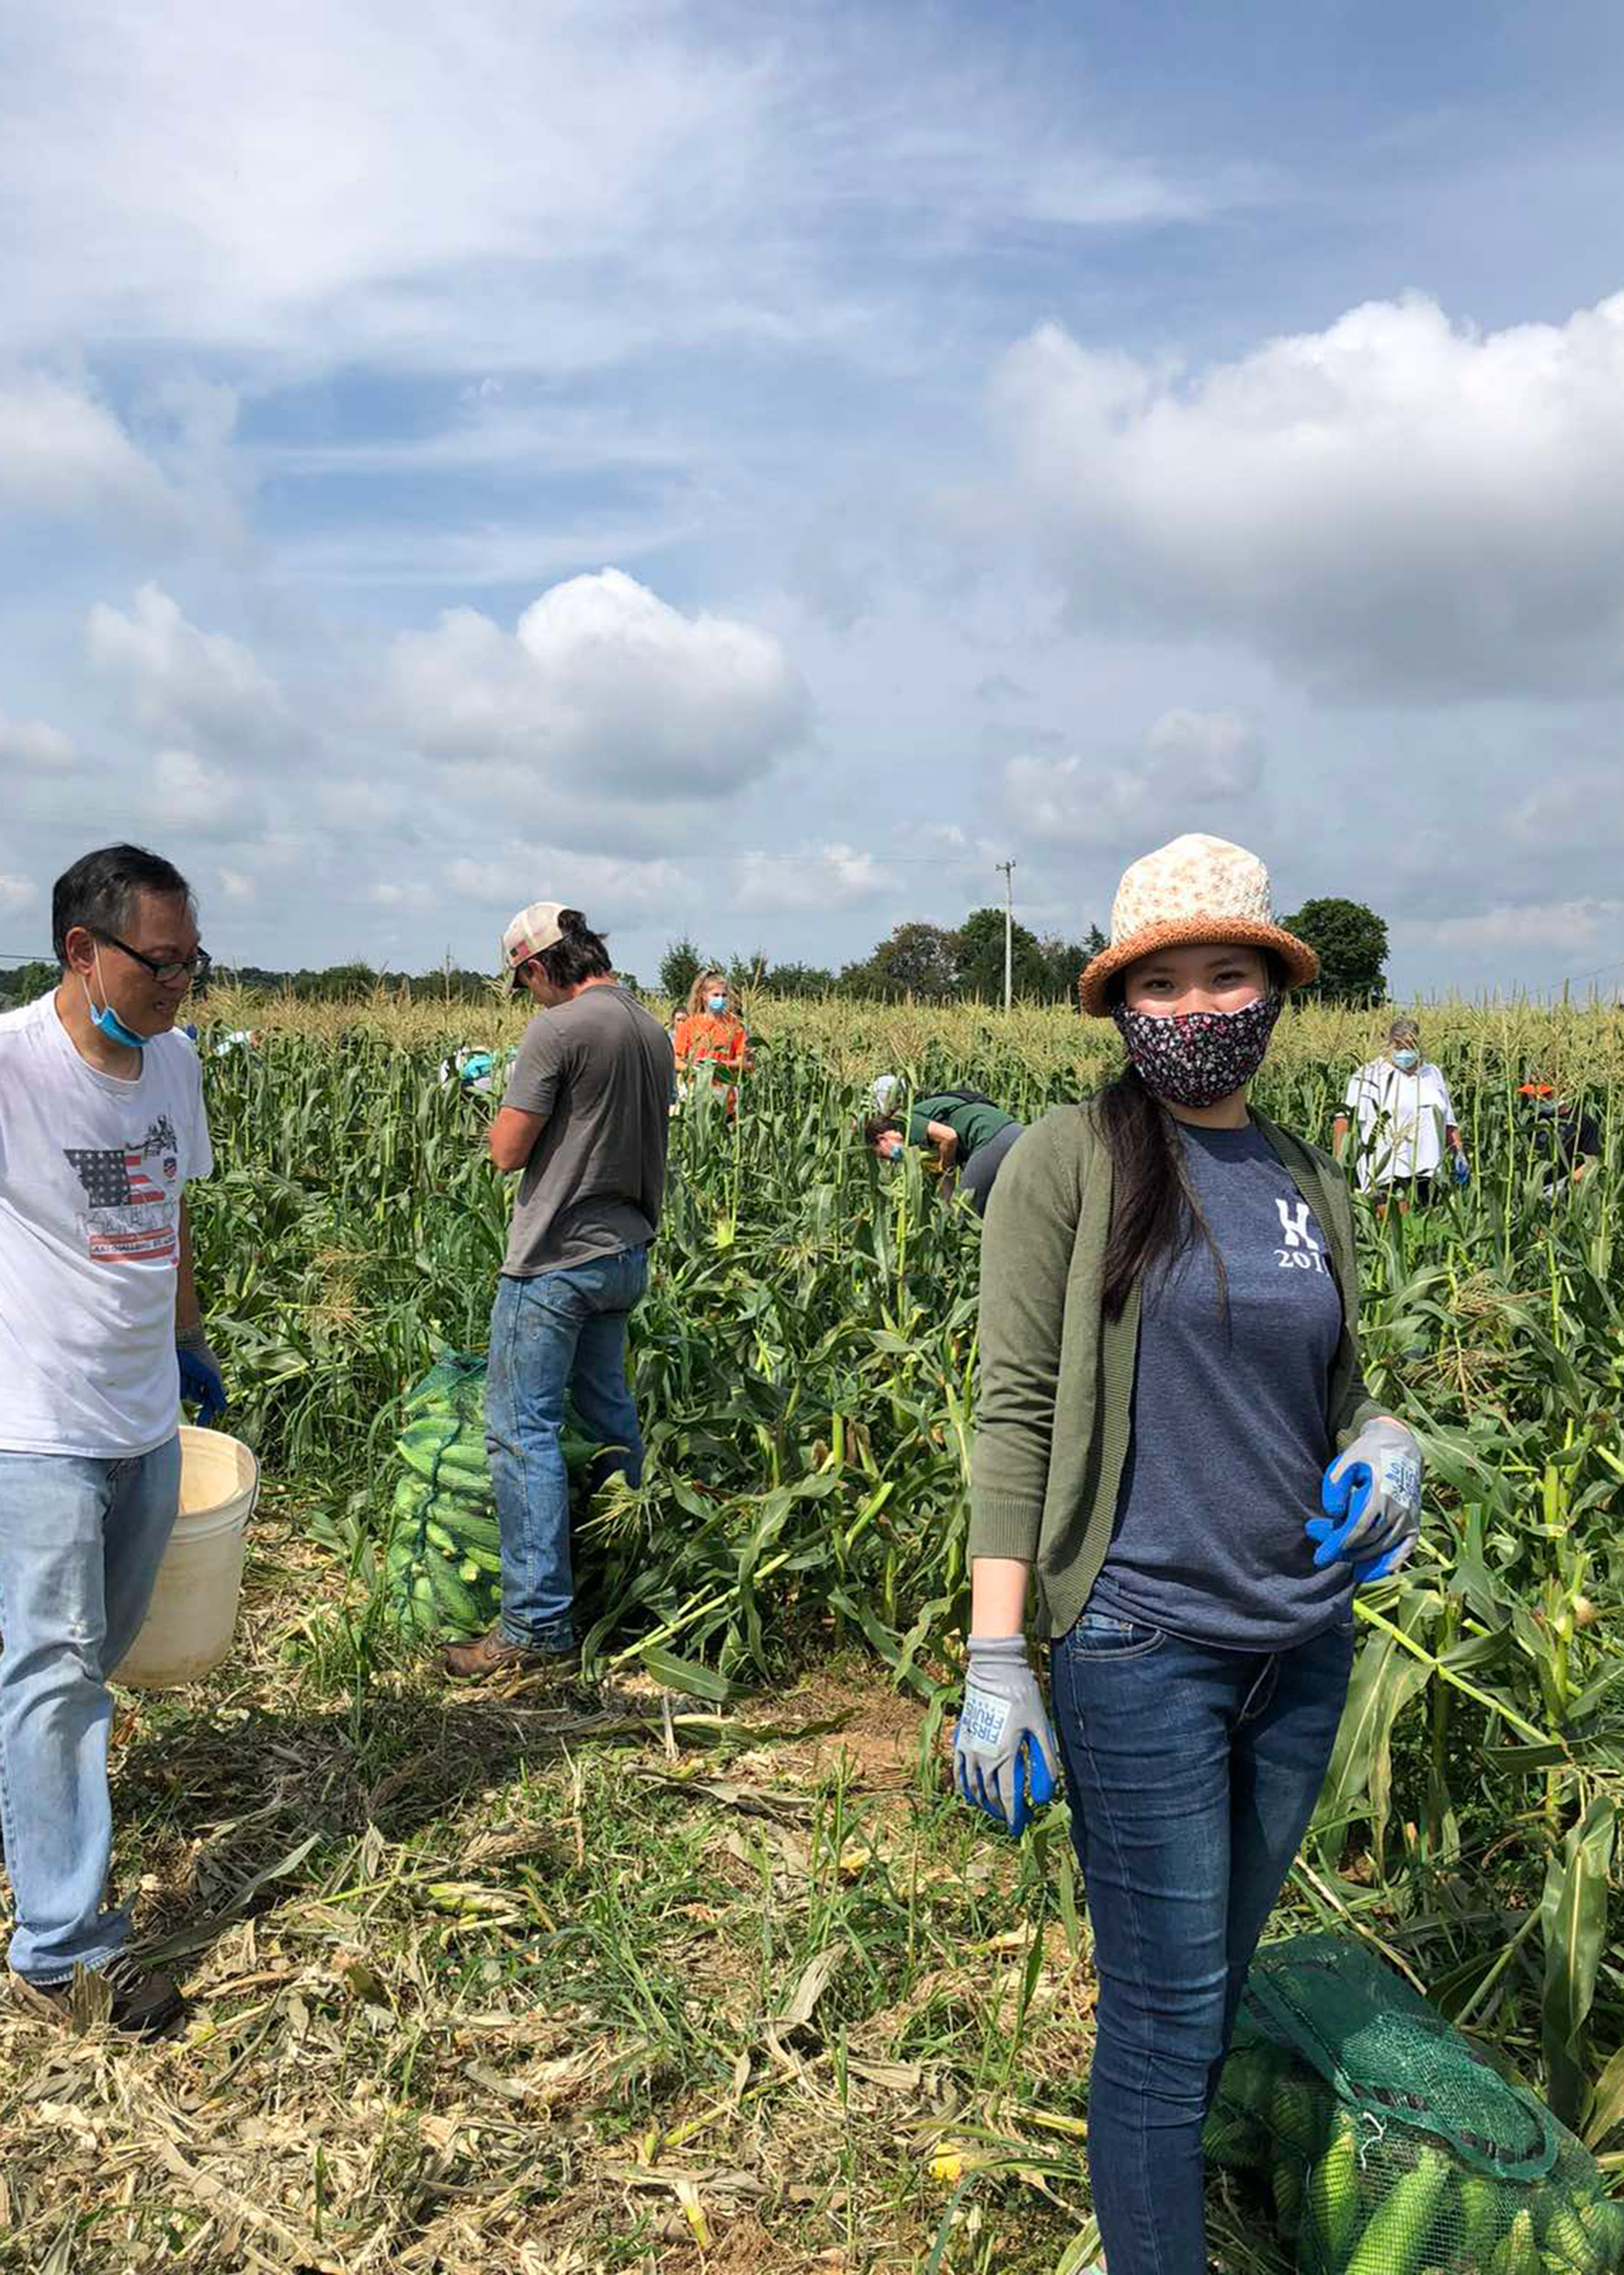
point(188, 967)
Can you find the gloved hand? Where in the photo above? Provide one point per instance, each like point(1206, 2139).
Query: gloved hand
point(1463, 1169)
point(1371, 1496)
point(1003, 1751)
point(200, 1382)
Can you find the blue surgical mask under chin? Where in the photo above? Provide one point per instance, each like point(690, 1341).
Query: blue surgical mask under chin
point(107, 1022)
point(1404, 1060)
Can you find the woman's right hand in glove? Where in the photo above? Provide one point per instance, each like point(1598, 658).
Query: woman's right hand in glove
point(1005, 1760)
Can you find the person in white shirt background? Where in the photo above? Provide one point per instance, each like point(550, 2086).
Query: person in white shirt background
point(1406, 1121)
point(101, 1126)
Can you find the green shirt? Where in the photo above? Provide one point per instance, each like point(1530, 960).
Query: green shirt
point(971, 1125)
point(1055, 1415)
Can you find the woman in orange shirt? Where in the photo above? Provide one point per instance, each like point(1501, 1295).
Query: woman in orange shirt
point(711, 1032)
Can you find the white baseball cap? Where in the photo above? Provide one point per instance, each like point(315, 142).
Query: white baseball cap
point(533, 929)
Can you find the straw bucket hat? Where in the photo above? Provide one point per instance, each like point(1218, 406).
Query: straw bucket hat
point(1195, 890)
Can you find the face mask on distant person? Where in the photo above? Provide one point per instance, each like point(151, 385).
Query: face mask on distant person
point(1196, 1057)
point(106, 1021)
point(718, 1004)
point(1405, 1059)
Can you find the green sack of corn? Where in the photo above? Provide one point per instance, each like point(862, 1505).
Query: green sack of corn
point(443, 1564)
point(1389, 2146)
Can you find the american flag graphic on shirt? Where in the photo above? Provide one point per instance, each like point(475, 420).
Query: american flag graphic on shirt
point(131, 1217)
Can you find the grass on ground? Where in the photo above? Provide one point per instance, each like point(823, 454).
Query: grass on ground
point(556, 1984)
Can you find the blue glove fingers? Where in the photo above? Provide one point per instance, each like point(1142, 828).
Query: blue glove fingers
point(201, 1386)
point(1345, 1489)
point(1040, 1774)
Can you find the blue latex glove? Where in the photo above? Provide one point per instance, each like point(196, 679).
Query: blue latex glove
point(1463, 1169)
point(1004, 1749)
point(201, 1384)
point(1371, 1496)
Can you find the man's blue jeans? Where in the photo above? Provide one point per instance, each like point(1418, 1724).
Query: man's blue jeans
point(561, 1334)
point(80, 1545)
point(1191, 1775)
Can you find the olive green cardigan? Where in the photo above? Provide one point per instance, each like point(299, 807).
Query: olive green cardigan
point(1055, 1411)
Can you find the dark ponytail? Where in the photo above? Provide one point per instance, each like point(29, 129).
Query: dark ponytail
point(580, 955)
point(1154, 1215)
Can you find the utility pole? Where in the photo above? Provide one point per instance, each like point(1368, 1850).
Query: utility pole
point(1008, 871)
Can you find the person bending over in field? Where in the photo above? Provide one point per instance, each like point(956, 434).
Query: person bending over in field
point(101, 1126)
point(585, 1120)
point(1405, 1120)
point(1560, 1134)
point(709, 1037)
point(964, 1133)
point(1170, 1395)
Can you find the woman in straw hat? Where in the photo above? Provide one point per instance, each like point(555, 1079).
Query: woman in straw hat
point(1176, 1456)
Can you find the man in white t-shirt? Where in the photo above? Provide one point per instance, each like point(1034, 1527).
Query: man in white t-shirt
point(1405, 1120)
point(101, 1125)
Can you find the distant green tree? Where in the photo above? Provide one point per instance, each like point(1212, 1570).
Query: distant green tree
point(1351, 942)
point(679, 966)
point(918, 959)
point(1095, 941)
point(797, 979)
point(22, 983)
point(1063, 960)
point(980, 958)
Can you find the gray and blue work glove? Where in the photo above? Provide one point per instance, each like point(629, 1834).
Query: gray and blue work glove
point(1463, 1169)
point(200, 1381)
point(1003, 1751)
point(1371, 1495)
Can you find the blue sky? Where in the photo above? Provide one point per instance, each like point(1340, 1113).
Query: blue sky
point(747, 471)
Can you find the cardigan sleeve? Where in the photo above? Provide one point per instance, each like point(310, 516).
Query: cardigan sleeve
point(1026, 1249)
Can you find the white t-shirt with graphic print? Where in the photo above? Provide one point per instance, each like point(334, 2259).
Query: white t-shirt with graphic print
point(1400, 1120)
point(92, 1171)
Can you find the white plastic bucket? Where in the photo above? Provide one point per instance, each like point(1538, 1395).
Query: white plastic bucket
point(188, 1625)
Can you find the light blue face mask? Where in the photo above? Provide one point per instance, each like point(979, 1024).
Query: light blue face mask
point(106, 1021)
point(716, 1003)
point(1403, 1060)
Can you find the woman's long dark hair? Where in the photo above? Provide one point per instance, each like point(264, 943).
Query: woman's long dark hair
point(1154, 1215)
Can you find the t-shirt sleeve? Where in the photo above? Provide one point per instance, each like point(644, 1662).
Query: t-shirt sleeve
point(1356, 1085)
point(534, 1083)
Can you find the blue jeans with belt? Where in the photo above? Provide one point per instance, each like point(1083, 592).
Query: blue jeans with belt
point(559, 1336)
point(1191, 1775)
point(81, 1540)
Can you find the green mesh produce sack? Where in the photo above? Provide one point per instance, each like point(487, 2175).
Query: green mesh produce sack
point(1388, 2146)
point(443, 1564)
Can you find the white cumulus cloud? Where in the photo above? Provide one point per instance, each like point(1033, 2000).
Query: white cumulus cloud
point(181, 680)
point(17, 894)
point(1188, 759)
point(1398, 505)
point(817, 877)
point(32, 744)
point(64, 454)
point(602, 689)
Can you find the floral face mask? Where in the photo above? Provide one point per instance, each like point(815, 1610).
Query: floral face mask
point(1196, 1057)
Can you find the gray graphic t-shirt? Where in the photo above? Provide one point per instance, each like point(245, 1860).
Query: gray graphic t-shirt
point(1230, 1429)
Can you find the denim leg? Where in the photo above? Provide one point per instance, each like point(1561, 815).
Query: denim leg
point(535, 1326)
point(598, 1386)
point(1282, 1749)
point(1143, 1723)
point(146, 1500)
point(55, 1555)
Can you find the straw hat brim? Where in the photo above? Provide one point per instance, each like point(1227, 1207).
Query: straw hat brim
point(1301, 966)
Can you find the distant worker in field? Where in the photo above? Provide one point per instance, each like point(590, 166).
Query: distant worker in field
point(966, 1135)
point(585, 1118)
point(710, 1039)
point(102, 1127)
point(1560, 1134)
point(1406, 1122)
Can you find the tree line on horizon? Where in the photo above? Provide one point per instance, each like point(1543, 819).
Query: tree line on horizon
point(927, 962)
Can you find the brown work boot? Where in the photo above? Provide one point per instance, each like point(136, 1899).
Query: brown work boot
point(136, 2001)
point(492, 1654)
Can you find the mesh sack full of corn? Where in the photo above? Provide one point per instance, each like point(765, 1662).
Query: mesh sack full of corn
point(443, 1564)
point(1388, 2146)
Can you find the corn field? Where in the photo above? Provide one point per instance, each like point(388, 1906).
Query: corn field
point(805, 1368)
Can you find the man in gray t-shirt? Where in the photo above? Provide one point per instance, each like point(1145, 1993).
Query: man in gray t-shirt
point(585, 1118)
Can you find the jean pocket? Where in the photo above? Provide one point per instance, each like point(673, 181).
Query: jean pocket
point(1098, 1635)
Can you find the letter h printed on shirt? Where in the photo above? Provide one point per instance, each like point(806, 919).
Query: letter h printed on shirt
point(1298, 1250)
